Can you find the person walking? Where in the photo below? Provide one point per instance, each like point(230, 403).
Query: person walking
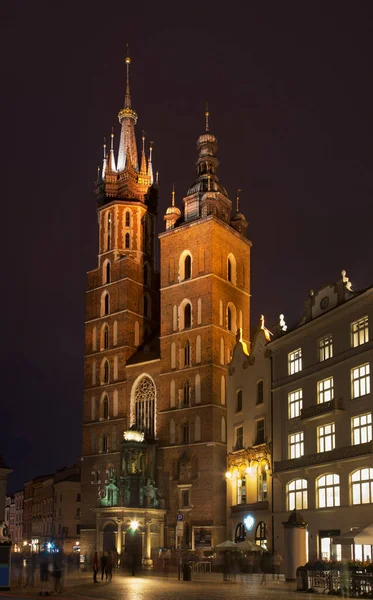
point(109, 567)
point(103, 565)
point(276, 561)
point(57, 572)
point(95, 567)
point(263, 568)
point(44, 573)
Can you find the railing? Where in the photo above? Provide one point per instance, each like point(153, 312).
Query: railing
point(324, 457)
point(250, 507)
point(353, 582)
point(318, 410)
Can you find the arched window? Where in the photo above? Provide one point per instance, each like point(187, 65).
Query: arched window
point(261, 535)
point(105, 371)
point(145, 405)
point(231, 317)
point(106, 275)
point(297, 494)
point(105, 408)
point(187, 361)
point(173, 355)
point(186, 395)
point(240, 533)
point(115, 333)
point(231, 269)
point(262, 483)
point(172, 431)
point(105, 337)
point(187, 316)
point(105, 303)
point(137, 334)
point(115, 403)
point(127, 243)
point(328, 491)
point(197, 429)
point(221, 351)
point(362, 486)
point(197, 389)
point(94, 339)
point(172, 394)
point(187, 267)
point(222, 390)
point(223, 430)
point(198, 349)
point(128, 219)
point(185, 433)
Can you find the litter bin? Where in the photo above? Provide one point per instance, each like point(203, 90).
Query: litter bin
point(187, 572)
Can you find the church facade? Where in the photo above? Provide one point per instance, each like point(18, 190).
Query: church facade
point(157, 347)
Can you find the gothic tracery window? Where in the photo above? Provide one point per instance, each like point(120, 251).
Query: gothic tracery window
point(145, 405)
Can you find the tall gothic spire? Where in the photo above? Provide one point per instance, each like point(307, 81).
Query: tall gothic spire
point(112, 166)
point(150, 164)
point(127, 118)
point(143, 157)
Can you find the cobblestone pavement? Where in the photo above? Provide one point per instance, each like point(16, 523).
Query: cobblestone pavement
point(151, 587)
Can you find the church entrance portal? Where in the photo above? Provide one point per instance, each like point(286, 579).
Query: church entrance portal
point(109, 537)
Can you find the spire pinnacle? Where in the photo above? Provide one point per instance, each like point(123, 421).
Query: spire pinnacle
point(207, 114)
point(173, 195)
point(111, 165)
point(127, 102)
point(238, 200)
point(143, 159)
point(157, 177)
point(150, 164)
point(104, 161)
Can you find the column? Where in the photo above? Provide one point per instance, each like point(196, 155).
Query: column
point(148, 541)
point(119, 538)
point(295, 544)
point(161, 534)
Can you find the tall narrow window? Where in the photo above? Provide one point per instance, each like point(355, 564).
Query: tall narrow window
point(187, 316)
point(297, 494)
point(295, 404)
point(106, 337)
point(173, 355)
point(128, 217)
point(198, 349)
point(223, 430)
point(328, 491)
point(106, 372)
point(238, 438)
point(238, 400)
point(222, 390)
point(105, 407)
point(197, 389)
point(259, 392)
point(145, 406)
point(187, 267)
point(296, 444)
point(359, 332)
point(115, 333)
point(107, 307)
point(108, 272)
point(187, 354)
point(362, 486)
point(185, 433)
point(186, 395)
point(108, 236)
point(229, 318)
point(127, 241)
point(105, 443)
point(295, 361)
point(325, 390)
point(326, 437)
point(229, 270)
point(172, 394)
point(260, 431)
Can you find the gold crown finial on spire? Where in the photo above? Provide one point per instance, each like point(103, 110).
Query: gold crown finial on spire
point(238, 200)
point(207, 114)
point(112, 138)
point(173, 195)
point(128, 60)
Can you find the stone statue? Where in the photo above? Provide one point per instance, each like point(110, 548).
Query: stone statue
point(151, 493)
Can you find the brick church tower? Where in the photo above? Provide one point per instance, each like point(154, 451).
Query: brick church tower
point(122, 305)
point(205, 298)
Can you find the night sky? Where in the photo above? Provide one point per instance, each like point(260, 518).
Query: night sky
point(290, 93)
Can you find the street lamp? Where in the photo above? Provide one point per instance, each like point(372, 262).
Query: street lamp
point(134, 526)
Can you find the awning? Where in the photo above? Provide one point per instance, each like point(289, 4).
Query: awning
point(362, 535)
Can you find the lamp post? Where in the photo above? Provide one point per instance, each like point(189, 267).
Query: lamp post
point(134, 527)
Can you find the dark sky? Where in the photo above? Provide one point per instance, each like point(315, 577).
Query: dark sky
point(290, 92)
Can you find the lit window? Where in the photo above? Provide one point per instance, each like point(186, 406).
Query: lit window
point(326, 437)
point(359, 332)
point(239, 401)
point(362, 486)
point(260, 392)
point(328, 491)
point(239, 438)
point(326, 348)
point(295, 361)
point(241, 490)
point(361, 428)
point(325, 390)
point(296, 444)
point(262, 485)
point(260, 431)
point(360, 381)
point(295, 403)
point(297, 494)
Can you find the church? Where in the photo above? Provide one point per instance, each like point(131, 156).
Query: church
point(157, 346)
